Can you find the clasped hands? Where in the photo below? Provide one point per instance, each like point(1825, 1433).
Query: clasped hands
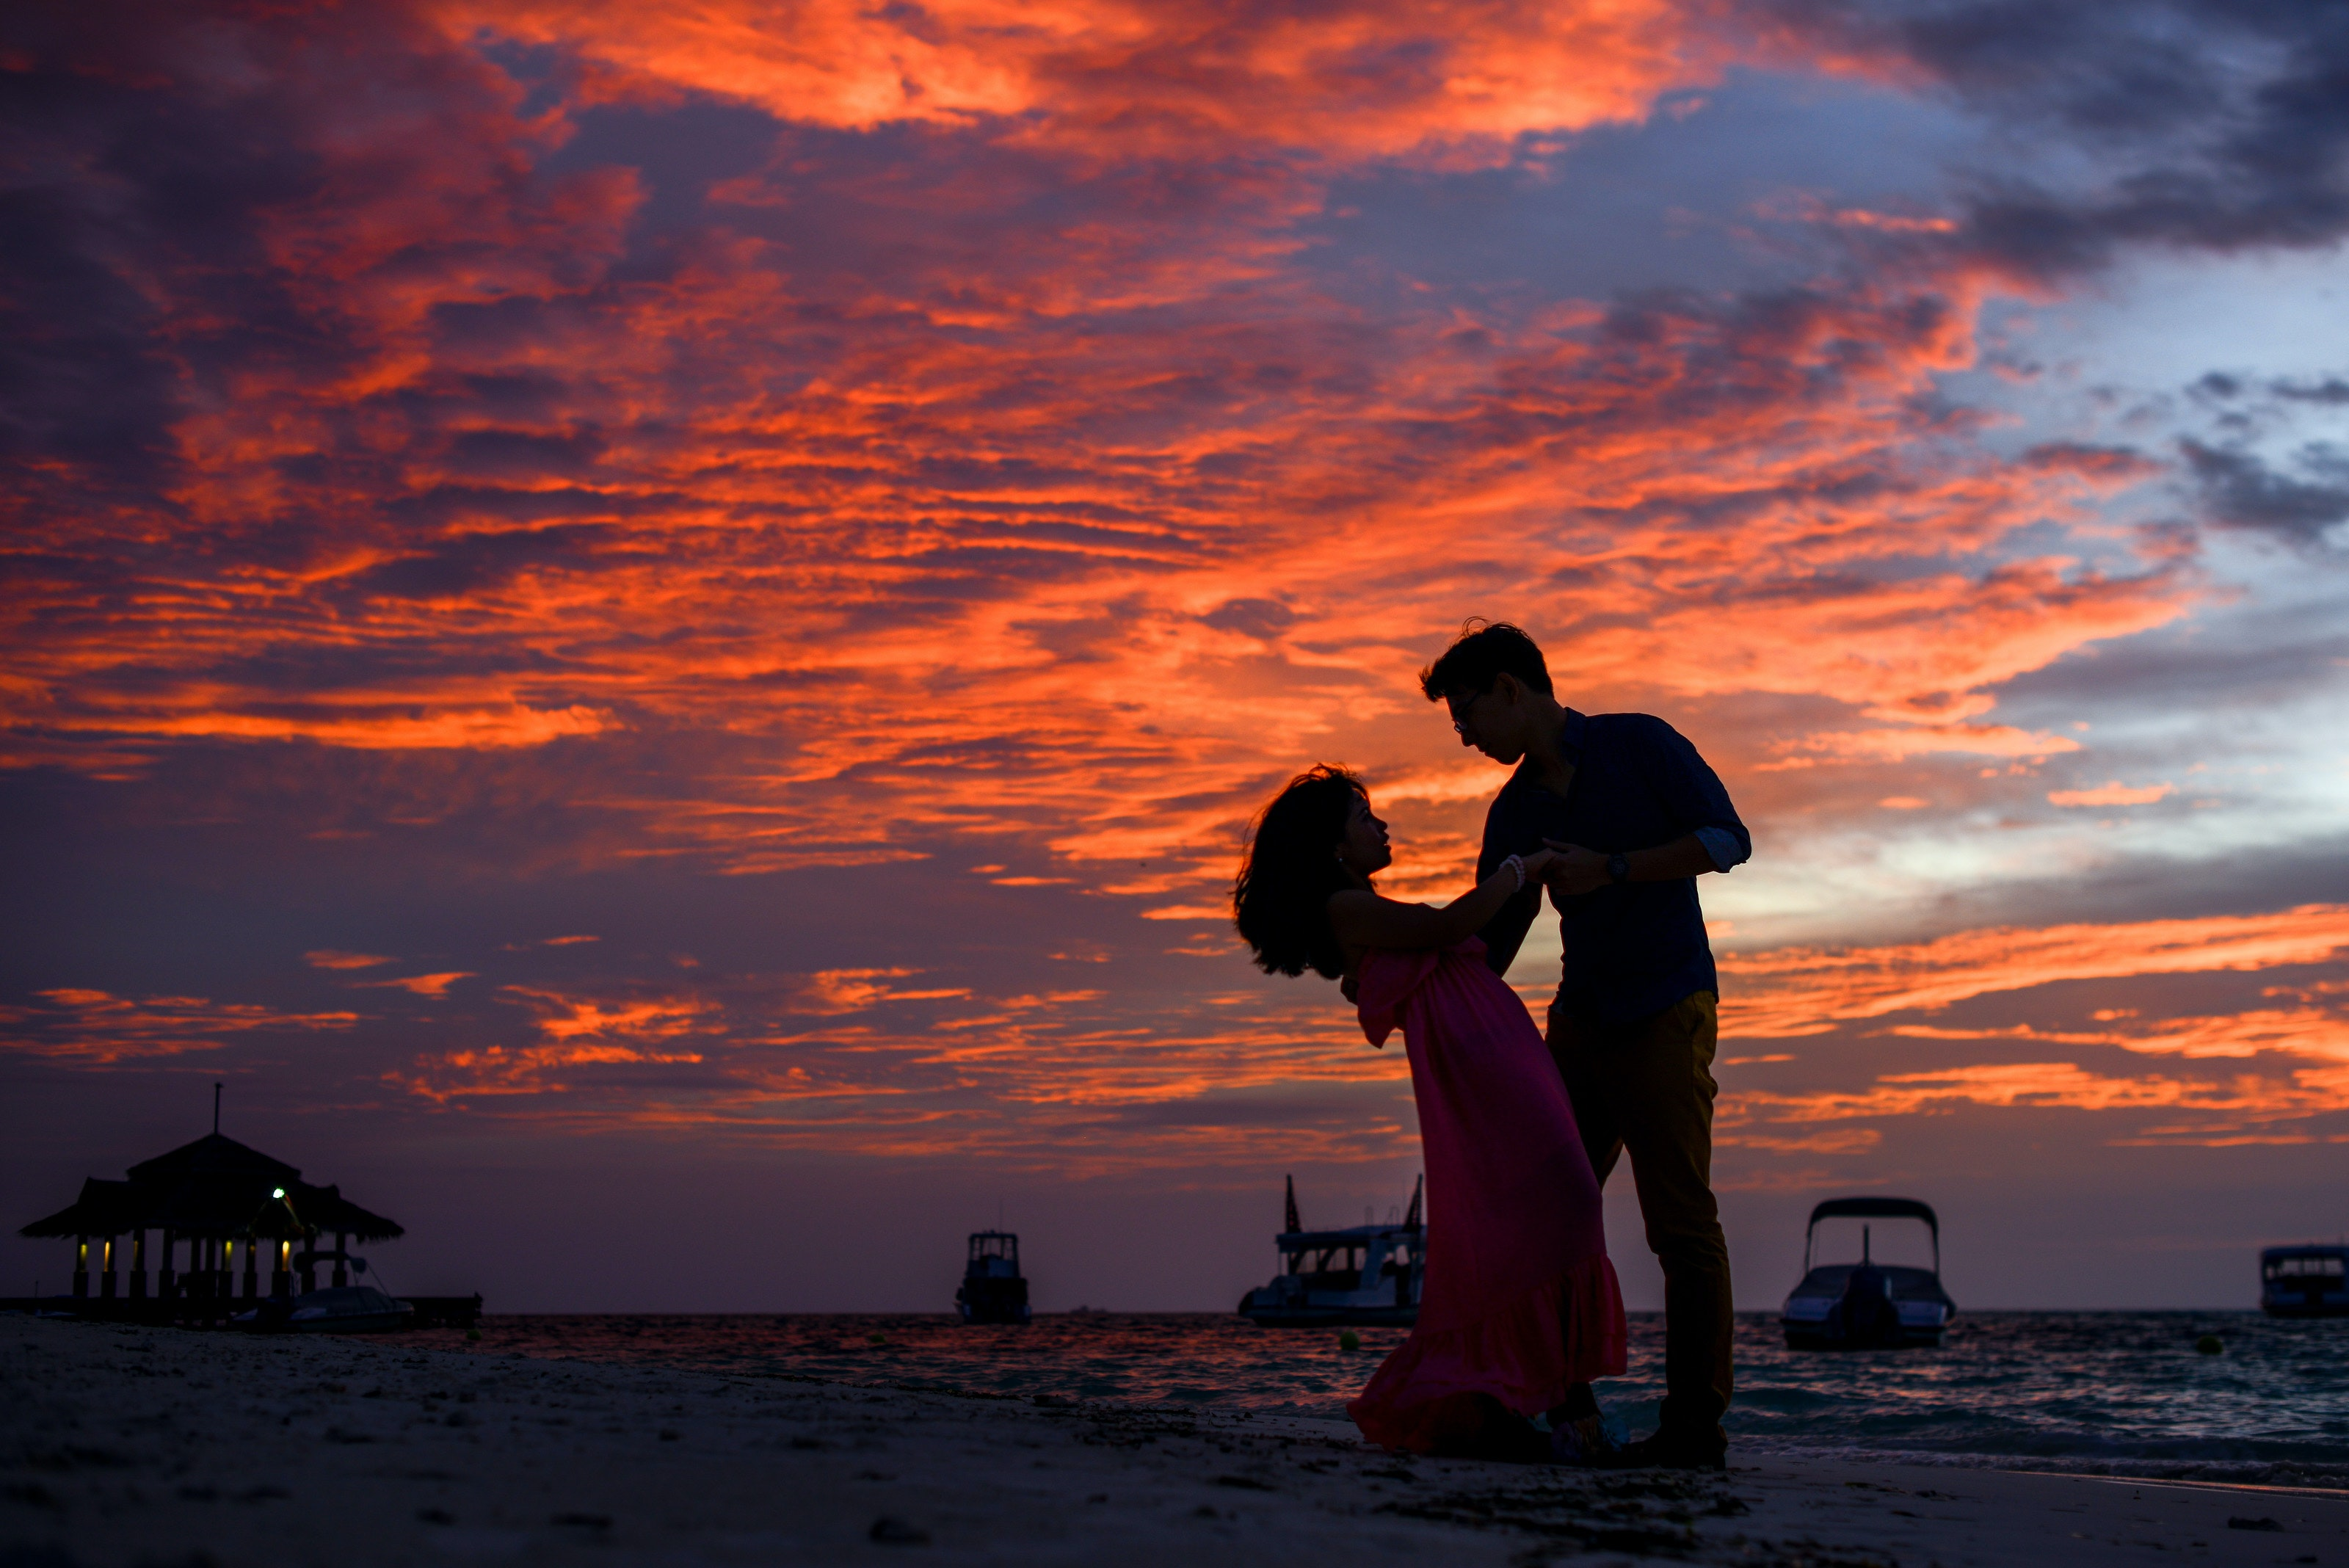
point(1568, 870)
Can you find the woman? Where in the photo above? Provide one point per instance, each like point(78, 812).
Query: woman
point(1519, 1308)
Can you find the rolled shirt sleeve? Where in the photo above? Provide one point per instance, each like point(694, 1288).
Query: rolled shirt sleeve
point(1728, 851)
point(1691, 794)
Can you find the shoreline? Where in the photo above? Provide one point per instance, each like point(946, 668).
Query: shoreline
point(128, 1448)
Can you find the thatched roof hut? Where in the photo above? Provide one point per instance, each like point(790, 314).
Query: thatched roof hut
point(214, 1194)
point(214, 1187)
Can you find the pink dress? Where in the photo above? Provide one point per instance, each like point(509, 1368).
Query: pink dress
point(1519, 1301)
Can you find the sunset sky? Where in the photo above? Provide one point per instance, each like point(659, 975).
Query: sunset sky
point(652, 629)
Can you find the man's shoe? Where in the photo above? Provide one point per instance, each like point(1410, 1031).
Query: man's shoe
point(1667, 1451)
point(1585, 1443)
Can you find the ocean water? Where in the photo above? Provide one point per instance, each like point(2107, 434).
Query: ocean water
point(2122, 1393)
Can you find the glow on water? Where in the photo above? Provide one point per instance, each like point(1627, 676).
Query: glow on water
point(2127, 1391)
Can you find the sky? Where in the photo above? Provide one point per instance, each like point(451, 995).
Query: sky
point(653, 630)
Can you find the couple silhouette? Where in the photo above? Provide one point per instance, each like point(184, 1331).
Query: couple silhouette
point(1615, 816)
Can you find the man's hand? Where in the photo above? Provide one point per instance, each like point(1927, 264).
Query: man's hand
point(1575, 870)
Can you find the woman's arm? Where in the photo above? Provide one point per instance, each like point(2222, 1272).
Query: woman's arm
point(1362, 919)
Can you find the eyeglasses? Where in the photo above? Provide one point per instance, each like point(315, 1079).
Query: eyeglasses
point(1460, 712)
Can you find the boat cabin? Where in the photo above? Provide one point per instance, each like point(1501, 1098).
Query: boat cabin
point(2304, 1281)
point(992, 1289)
point(1868, 1305)
point(1366, 1274)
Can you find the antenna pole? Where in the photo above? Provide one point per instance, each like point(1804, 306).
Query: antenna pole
point(216, 1094)
point(1290, 1215)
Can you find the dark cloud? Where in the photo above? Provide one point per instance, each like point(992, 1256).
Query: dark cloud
point(2241, 490)
point(524, 454)
point(153, 272)
point(2217, 126)
point(1262, 618)
point(477, 563)
point(2332, 391)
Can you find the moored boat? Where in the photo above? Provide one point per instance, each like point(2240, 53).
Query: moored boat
point(1868, 1305)
point(1364, 1275)
point(992, 1289)
point(2304, 1281)
point(338, 1309)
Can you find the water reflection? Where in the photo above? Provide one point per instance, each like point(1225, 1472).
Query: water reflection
point(2122, 1390)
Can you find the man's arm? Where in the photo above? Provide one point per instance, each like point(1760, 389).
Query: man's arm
point(1579, 870)
point(1693, 796)
point(1505, 933)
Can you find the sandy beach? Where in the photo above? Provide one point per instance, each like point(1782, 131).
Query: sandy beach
point(142, 1447)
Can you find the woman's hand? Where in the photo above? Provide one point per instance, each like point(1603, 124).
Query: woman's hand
point(1361, 918)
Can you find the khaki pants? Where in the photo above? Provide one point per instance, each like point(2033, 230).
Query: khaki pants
point(1647, 1087)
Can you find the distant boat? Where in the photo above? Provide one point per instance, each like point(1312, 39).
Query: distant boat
point(1868, 1306)
point(338, 1309)
point(1366, 1274)
point(2304, 1281)
point(992, 1289)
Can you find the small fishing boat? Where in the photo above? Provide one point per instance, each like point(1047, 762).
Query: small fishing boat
point(1364, 1274)
point(992, 1289)
point(2304, 1281)
point(339, 1309)
point(1868, 1306)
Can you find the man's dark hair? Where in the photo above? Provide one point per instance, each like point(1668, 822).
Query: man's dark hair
point(1280, 900)
point(1483, 653)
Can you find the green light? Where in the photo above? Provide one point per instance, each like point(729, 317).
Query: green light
point(276, 1192)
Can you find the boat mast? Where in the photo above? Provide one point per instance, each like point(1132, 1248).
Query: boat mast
point(1294, 1223)
point(1410, 1215)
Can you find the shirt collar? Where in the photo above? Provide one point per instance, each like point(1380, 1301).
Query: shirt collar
point(1569, 746)
point(1569, 737)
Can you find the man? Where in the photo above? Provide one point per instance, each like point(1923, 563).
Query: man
point(1637, 817)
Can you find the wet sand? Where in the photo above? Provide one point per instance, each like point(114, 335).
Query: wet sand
point(125, 1448)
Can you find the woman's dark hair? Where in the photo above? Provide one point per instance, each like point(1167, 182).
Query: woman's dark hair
point(1280, 899)
point(1483, 653)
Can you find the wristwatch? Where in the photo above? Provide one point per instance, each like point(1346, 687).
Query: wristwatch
point(1619, 870)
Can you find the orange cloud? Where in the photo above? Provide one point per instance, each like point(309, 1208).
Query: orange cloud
point(496, 1072)
point(1800, 991)
point(1386, 79)
point(2306, 1031)
point(858, 990)
point(83, 1028)
point(2246, 1108)
point(432, 985)
point(2111, 794)
point(563, 1019)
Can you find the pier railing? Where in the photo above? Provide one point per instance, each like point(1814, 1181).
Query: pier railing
point(214, 1311)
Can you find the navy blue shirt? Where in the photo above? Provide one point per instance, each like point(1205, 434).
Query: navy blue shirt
point(1636, 948)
